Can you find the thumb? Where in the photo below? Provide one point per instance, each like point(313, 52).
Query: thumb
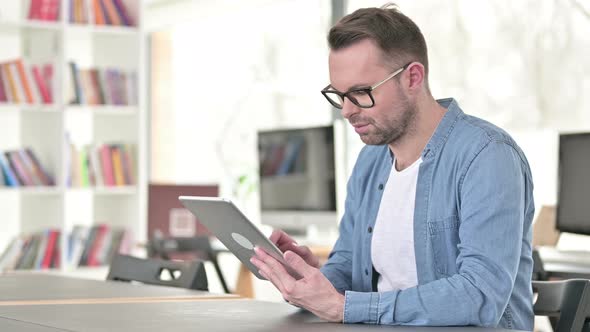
point(298, 264)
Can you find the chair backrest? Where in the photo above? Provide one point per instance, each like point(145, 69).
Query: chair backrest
point(166, 247)
point(188, 274)
point(199, 246)
point(567, 299)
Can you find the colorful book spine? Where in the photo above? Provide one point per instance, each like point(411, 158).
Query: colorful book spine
point(41, 85)
point(117, 165)
point(9, 175)
point(111, 12)
point(123, 14)
point(50, 248)
point(24, 79)
point(107, 165)
point(19, 166)
point(3, 97)
point(11, 83)
point(45, 177)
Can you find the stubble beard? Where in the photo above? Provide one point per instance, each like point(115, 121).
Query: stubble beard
point(396, 129)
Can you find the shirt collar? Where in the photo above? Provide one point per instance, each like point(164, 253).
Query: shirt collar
point(445, 126)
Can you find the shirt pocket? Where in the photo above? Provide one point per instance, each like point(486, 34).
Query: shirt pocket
point(444, 238)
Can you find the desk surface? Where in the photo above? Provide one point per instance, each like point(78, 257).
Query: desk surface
point(9, 325)
point(565, 264)
point(221, 315)
point(21, 288)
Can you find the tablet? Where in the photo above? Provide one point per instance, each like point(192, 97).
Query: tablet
point(234, 230)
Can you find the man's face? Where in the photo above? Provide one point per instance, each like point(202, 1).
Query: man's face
point(361, 64)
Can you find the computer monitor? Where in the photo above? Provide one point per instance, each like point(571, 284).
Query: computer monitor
point(297, 178)
point(573, 198)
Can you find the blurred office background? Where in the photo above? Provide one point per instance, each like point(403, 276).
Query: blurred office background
point(214, 75)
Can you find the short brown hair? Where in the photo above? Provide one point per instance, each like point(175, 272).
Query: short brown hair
point(398, 37)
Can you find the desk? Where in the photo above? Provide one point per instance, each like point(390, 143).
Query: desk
point(212, 316)
point(15, 325)
point(22, 289)
point(565, 264)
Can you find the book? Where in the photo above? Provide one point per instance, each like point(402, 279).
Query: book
point(292, 150)
point(97, 244)
point(11, 253)
point(35, 89)
point(98, 13)
point(123, 14)
point(78, 96)
point(38, 169)
point(107, 19)
point(43, 238)
point(2, 178)
point(29, 168)
point(5, 84)
point(107, 165)
point(47, 73)
point(76, 244)
point(18, 84)
point(3, 97)
point(127, 161)
point(24, 81)
point(49, 250)
point(117, 165)
point(111, 12)
point(19, 166)
point(34, 10)
point(12, 90)
point(83, 168)
point(10, 177)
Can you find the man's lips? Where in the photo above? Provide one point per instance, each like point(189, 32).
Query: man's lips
point(361, 128)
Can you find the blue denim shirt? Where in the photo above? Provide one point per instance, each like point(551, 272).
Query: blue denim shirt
point(472, 232)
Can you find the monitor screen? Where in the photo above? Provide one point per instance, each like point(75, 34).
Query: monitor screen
point(573, 198)
point(297, 169)
point(297, 176)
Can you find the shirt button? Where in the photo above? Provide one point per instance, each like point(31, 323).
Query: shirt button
point(370, 229)
point(380, 186)
point(366, 272)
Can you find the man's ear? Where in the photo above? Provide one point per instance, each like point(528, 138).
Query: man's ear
point(415, 77)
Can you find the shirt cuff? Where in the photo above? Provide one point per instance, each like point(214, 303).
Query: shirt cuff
point(361, 307)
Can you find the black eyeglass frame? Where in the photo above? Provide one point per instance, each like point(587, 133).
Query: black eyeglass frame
point(325, 91)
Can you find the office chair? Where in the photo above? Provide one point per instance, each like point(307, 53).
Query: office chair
point(568, 300)
point(200, 246)
point(539, 272)
point(190, 275)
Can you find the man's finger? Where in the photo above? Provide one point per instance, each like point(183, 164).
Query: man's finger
point(280, 238)
point(267, 272)
point(275, 268)
point(275, 236)
point(298, 264)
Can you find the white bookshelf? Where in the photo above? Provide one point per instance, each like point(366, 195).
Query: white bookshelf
point(44, 127)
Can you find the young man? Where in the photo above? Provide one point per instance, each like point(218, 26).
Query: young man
point(437, 222)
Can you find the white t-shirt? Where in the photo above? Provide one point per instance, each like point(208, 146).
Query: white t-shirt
point(392, 246)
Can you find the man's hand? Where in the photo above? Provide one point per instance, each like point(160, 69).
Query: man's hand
point(285, 243)
point(313, 292)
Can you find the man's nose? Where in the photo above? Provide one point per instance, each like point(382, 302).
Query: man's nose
point(348, 109)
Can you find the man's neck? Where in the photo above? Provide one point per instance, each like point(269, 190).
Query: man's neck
point(409, 148)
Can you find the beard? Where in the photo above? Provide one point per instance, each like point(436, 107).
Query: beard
point(395, 128)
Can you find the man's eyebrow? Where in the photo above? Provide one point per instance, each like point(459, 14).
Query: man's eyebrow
point(359, 86)
point(354, 87)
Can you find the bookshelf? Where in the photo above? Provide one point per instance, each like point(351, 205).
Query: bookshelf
point(48, 128)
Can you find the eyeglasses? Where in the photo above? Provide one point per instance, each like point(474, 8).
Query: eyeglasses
point(361, 97)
